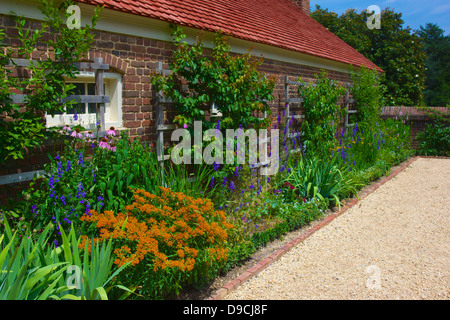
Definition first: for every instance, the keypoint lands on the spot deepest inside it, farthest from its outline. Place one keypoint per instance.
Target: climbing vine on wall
(322, 112)
(232, 82)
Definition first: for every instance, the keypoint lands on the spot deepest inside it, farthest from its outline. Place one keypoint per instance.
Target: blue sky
(415, 13)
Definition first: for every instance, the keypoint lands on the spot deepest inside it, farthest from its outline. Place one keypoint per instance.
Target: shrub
(89, 175)
(272, 218)
(170, 240)
(434, 140)
(23, 128)
(317, 178)
(309, 211)
(368, 92)
(232, 82)
(321, 114)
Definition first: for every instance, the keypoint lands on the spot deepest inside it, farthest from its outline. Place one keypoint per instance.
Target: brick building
(134, 38)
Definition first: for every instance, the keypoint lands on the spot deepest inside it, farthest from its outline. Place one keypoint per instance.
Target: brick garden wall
(415, 118)
(135, 58)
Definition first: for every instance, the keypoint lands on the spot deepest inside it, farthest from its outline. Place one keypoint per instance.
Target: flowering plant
(171, 236)
(363, 145)
(86, 176)
(64, 194)
(80, 138)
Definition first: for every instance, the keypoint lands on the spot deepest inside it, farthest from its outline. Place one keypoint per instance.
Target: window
(86, 113)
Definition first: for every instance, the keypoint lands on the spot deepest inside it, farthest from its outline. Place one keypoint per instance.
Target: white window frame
(113, 109)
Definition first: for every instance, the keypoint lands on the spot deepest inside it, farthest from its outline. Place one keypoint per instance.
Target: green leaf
(102, 293)
(110, 195)
(66, 246)
(41, 273)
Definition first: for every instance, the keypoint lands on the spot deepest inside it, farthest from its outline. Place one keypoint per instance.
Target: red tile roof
(277, 23)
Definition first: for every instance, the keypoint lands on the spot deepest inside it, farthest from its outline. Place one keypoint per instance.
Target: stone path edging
(257, 268)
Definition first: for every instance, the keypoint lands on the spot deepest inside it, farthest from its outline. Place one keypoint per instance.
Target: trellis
(99, 99)
(162, 101)
(347, 102)
(161, 127)
(287, 110)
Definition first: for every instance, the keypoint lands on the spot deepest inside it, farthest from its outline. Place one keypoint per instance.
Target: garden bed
(208, 290)
(177, 225)
(392, 244)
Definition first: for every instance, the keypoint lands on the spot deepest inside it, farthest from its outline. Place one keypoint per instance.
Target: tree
(395, 49)
(437, 63)
(22, 126)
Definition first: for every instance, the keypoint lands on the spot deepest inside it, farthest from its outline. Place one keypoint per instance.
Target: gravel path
(394, 244)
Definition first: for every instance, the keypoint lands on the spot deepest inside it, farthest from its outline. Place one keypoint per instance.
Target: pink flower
(104, 143)
(76, 134)
(67, 128)
(289, 185)
(89, 134)
(111, 132)
(185, 126)
(112, 148)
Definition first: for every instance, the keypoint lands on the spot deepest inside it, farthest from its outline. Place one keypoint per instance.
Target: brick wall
(415, 118)
(135, 58)
(302, 4)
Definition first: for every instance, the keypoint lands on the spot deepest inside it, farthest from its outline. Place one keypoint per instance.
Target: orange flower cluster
(167, 230)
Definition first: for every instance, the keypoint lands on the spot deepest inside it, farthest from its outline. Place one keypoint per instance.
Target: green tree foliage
(232, 82)
(394, 48)
(437, 63)
(23, 126)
